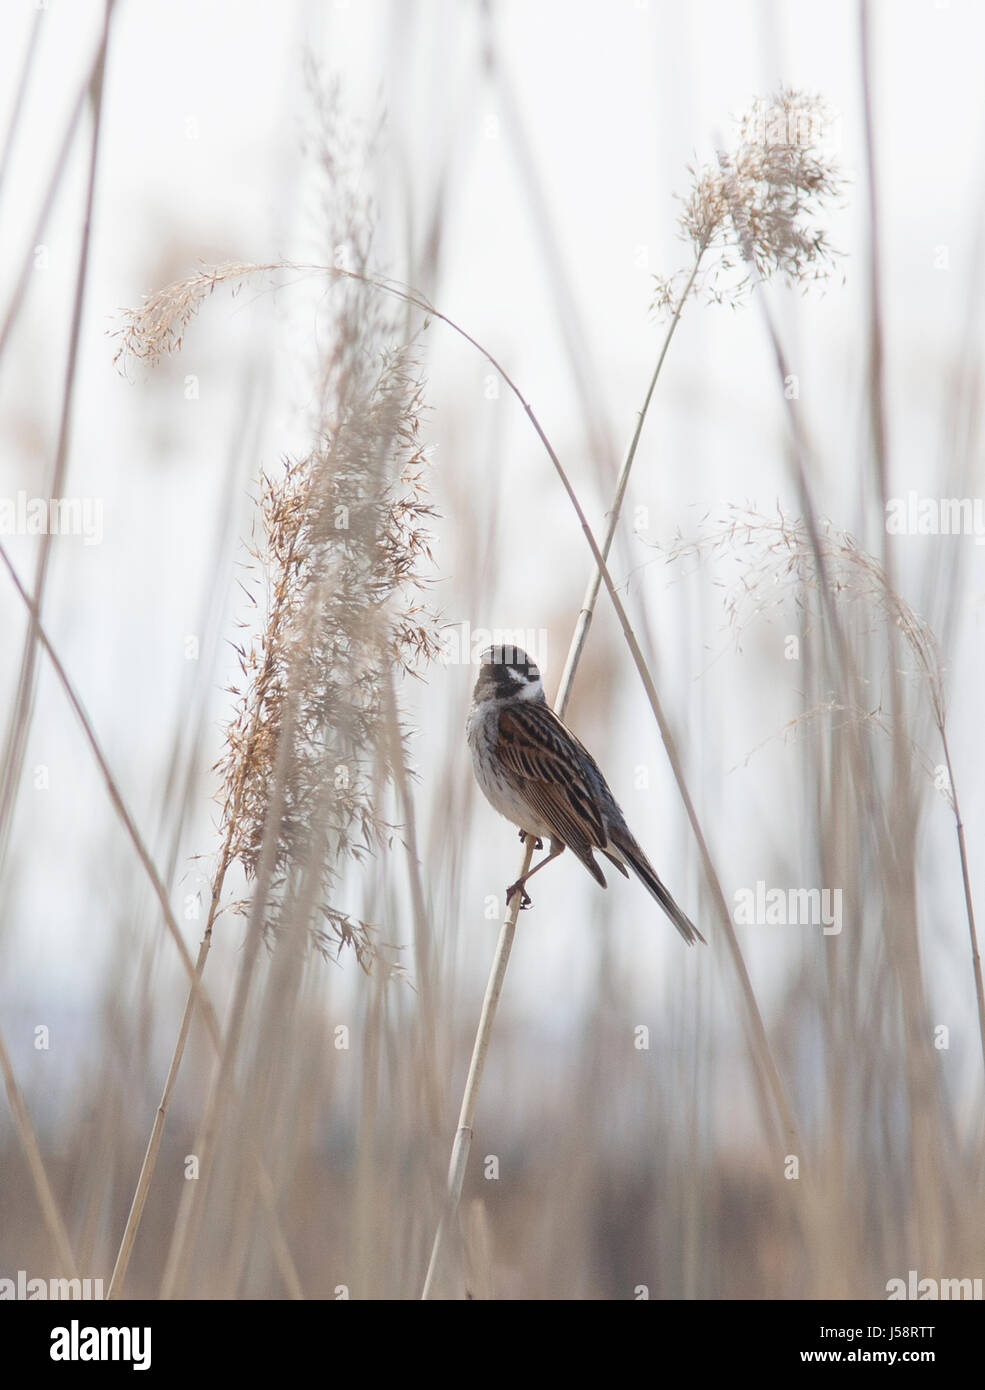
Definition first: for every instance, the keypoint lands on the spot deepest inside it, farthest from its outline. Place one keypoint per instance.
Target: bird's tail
(630, 851)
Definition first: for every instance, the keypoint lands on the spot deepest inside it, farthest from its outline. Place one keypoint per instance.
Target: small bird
(534, 772)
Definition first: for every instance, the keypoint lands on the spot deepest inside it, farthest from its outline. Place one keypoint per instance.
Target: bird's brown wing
(541, 758)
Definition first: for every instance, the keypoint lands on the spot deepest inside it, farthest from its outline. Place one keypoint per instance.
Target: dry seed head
(339, 566)
(344, 539)
(777, 566)
(752, 214)
(154, 330)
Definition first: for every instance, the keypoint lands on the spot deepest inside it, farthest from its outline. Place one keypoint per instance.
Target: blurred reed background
(246, 871)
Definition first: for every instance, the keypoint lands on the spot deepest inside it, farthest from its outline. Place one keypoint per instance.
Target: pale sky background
(201, 159)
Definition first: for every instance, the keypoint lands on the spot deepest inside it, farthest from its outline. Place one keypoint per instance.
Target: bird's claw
(524, 895)
(538, 844)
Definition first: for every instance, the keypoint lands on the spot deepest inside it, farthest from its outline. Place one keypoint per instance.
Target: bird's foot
(538, 844)
(524, 895)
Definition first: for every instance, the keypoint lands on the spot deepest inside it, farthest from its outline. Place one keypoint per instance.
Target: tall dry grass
(787, 1132)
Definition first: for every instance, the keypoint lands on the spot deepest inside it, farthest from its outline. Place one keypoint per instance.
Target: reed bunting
(534, 772)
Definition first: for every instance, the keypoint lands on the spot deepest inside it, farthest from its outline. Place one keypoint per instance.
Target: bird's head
(507, 673)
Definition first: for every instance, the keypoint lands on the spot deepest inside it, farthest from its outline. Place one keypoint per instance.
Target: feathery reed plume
(778, 566)
(343, 540)
(755, 206)
(311, 739)
(155, 327)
